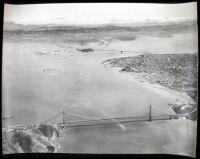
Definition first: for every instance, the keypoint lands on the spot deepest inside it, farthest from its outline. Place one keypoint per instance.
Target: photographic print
(100, 78)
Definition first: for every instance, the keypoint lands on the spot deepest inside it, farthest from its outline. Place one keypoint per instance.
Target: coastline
(182, 98)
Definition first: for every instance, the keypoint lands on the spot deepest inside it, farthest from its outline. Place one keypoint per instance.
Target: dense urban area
(175, 71)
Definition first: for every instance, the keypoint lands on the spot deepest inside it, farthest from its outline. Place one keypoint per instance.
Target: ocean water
(38, 86)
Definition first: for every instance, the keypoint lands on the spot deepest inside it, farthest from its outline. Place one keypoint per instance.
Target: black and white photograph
(100, 78)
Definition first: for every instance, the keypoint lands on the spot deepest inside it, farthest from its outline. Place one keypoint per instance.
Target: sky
(97, 13)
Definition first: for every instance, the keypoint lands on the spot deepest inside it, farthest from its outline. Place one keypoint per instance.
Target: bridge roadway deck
(111, 121)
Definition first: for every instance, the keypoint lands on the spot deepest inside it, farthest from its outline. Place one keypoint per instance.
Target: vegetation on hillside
(28, 140)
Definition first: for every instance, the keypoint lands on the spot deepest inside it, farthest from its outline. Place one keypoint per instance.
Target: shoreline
(182, 98)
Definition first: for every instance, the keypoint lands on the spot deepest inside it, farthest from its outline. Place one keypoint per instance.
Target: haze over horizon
(98, 13)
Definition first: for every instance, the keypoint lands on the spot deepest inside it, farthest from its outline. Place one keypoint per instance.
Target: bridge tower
(63, 117)
(150, 118)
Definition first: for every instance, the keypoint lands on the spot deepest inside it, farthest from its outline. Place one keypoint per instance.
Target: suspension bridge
(148, 113)
(145, 114)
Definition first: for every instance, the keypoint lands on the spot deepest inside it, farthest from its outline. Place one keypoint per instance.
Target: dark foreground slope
(28, 140)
